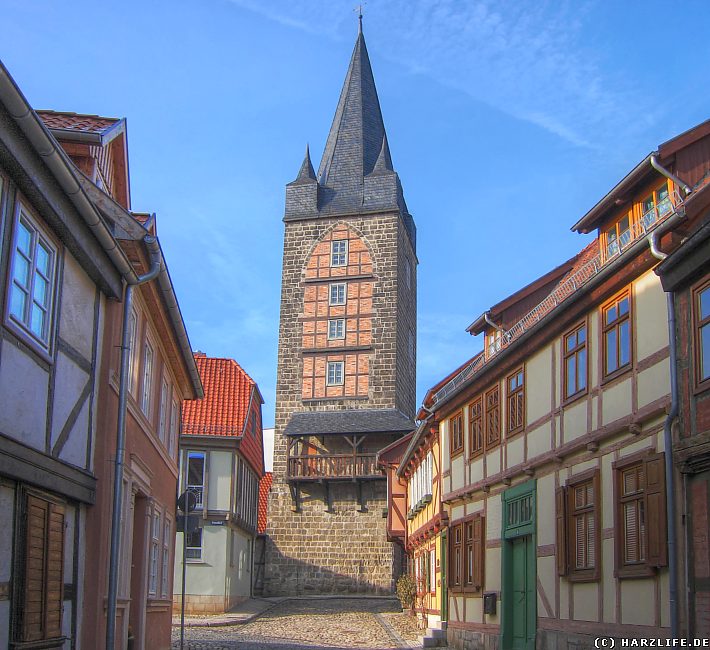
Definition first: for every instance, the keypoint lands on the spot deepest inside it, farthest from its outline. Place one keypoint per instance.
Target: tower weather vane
(359, 13)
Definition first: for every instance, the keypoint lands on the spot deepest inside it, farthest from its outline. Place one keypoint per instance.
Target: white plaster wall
(539, 440)
(493, 462)
(477, 470)
(616, 402)
(651, 315)
(537, 384)
(653, 383)
(493, 568)
(77, 310)
(607, 490)
(575, 419)
(586, 601)
(23, 397)
(220, 480)
(516, 451)
(474, 610)
(547, 574)
(546, 521)
(239, 575)
(494, 518)
(207, 577)
(70, 381)
(637, 601)
(608, 580)
(457, 512)
(458, 476)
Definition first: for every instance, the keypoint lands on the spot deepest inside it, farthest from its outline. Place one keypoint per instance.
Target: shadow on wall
(298, 578)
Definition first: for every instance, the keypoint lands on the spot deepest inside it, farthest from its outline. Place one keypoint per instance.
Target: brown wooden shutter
(35, 561)
(561, 530)
(655, 505)
(55, 570)
(478, 553)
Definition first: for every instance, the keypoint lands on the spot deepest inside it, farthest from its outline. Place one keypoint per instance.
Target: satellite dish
(187, 501)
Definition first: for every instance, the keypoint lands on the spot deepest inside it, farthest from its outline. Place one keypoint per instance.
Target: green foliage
(406, 590)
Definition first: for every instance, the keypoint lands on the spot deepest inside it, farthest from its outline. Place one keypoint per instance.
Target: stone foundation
(469, 640)
(198, 604)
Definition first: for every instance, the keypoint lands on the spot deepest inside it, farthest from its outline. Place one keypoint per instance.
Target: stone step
(434, 638)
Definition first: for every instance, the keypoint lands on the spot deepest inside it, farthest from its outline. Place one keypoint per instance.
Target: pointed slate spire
(306, 174)
(384, 160)
(355, 139)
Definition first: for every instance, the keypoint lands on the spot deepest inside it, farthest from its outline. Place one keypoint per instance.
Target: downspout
(669, 175)
(114, 554)
(668, 447)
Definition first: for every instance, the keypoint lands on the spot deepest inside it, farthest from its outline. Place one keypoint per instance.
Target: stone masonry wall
(343, 551)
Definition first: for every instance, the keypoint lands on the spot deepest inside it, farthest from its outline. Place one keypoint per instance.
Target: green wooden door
(519, 569)
(522, 624)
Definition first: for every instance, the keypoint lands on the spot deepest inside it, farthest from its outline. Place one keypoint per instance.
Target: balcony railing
(334, 466)
(198, 491)
(668, 206)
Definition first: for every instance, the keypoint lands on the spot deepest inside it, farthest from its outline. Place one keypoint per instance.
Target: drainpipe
(668, 447)
(669, 175)
(114, 554)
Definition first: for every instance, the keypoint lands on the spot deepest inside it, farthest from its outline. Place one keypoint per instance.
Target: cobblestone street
(311, 624)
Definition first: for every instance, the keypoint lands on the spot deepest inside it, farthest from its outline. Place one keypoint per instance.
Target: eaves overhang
(616, 196)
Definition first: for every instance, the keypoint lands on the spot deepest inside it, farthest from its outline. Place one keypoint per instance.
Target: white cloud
(528, 60)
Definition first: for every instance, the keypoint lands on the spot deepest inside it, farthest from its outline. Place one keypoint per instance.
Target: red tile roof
(264, 489)
(77, 122)
(224, 409)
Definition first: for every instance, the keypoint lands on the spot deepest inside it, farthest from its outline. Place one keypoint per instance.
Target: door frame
(519, 521)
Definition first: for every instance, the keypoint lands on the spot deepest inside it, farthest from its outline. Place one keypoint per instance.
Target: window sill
(617, 374)
(640, 571)
(515, 432)
(583, 576)
(572, 399)
(457, 453)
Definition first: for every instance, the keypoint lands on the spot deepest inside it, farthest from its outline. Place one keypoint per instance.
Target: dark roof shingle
(318, 423)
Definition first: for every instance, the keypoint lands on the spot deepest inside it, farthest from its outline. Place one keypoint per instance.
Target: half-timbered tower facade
(347, 347)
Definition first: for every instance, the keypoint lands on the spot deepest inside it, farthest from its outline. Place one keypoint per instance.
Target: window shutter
(55, 565)
(561, 530)
(655, 502)
(35, 559)
(478, 553)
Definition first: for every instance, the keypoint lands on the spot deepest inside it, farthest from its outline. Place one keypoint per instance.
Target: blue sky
(507, 121)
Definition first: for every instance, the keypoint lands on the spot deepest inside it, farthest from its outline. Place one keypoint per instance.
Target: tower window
(335, 373)
(336, 329)
(339, 252)
(337, 293)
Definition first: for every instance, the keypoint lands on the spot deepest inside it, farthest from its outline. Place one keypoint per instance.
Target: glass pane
(705, 303)
(623, 306)
(581, 370)
(43, 257)
(582, 334)
(37, 321)
(40, 290)
(571, 376)
(611, 314)
(629, 482)
(21, 271)
(647, 204)
(662, 193)
(623, 225)
(611, 361)
(705, 352)
(624, 344)
(195, 469)
(18, 300)
(571, 341)
(24, 239)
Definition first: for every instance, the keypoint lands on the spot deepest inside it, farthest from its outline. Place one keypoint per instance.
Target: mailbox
(489, 603)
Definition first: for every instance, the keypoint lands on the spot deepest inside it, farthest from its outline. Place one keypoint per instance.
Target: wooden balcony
(320, 467)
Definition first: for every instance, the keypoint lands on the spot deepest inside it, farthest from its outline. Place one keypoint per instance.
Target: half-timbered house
(221, 462)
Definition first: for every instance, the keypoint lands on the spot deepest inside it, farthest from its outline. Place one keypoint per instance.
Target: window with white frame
(33, 262)
(339, 252)
(154, 553)
(335, 373)
(336, 329)
(174, 428)
(132, 333)
(163, 421)
(247, 494)
(196, 475)
(337, 293)
(168, 541)
(148, 355)
(193, 545)
(421, 482)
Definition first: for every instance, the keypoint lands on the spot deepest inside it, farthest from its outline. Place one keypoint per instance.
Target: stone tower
(347, 353)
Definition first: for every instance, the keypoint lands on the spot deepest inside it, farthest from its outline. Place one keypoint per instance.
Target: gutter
(63, 170)
(605, 272)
